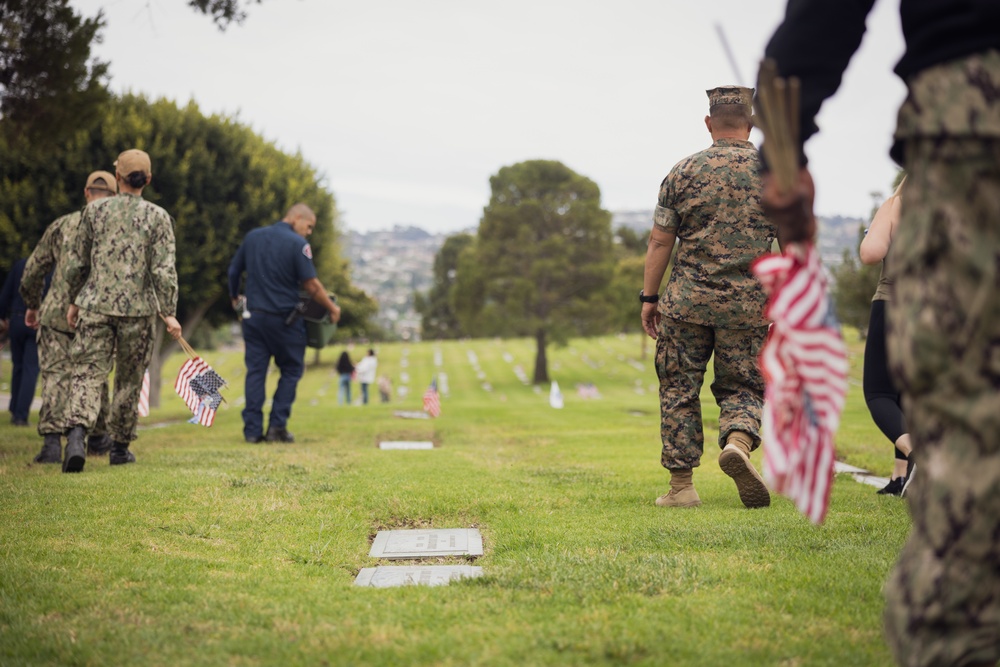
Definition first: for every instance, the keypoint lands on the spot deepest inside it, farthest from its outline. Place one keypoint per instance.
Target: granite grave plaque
(406, 444)
(427, 543)
(386, 576)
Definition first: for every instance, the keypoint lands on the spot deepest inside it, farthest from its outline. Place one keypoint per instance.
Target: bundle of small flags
(804, 363)
(432, 402)
(198, 385)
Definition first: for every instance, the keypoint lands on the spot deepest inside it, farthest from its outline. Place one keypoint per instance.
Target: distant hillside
(836, 233)
(391, 265)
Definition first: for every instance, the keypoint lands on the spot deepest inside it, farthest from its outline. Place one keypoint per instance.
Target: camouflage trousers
(55, 349)
(683, 351)
(103, 342)
(943, 599)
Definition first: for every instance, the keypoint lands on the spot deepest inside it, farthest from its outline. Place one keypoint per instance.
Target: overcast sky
(407, 107)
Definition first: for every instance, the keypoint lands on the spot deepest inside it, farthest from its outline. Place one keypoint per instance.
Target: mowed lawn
(210, 551)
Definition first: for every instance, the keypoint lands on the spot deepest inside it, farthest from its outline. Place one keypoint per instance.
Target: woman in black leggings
(881, 395)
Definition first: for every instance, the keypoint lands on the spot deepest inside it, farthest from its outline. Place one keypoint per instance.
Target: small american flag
(804, 364)
(144, 395)
(198, 385)
(432, 402)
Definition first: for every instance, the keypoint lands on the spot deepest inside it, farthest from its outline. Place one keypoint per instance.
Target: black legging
(880, 393)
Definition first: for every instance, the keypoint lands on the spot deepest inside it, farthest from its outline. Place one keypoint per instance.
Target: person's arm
(815, 42)
(41, 261)
(236, 269)
(314, 288)
(77, 255)
(661, 245)
(791, 212)
(7, 293)
(875, 245)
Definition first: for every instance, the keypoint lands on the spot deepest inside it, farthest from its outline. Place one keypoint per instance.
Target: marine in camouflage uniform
(943, 598)
(120, 273)
(709, 206)
(55, 337)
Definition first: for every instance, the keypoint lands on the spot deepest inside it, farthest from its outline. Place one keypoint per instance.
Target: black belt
(268, 312)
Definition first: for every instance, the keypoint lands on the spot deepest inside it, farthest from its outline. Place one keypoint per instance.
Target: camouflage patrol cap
(133, 160)
(110, 184)
(730, 95)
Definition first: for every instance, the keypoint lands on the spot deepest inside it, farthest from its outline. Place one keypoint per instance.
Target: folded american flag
(198, 384)
(804, 363)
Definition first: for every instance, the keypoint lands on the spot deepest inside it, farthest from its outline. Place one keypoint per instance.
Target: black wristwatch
(652, 298)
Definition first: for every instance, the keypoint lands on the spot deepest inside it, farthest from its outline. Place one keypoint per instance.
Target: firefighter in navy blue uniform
(278, 264)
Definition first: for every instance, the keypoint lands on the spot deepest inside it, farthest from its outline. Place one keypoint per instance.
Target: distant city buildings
(392, 265)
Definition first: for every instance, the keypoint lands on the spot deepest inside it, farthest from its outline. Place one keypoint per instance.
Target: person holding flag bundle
(943, 320)
(120, 273)
(55, 337)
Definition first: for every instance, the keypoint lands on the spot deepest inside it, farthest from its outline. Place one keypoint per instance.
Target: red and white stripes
(804, 364)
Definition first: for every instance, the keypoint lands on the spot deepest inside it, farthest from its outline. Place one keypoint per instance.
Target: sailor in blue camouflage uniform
(278, 264)
(55, 337)
(120, 274)
(943, 321)
(709, 207)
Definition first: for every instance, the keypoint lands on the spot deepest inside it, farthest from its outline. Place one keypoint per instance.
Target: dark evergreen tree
(542, 260)
(437, 309)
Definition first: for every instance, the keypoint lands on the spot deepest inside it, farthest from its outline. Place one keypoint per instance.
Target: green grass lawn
(210, 551)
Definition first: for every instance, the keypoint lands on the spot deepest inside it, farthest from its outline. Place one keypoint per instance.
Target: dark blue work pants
(266, 336)
(24, 367)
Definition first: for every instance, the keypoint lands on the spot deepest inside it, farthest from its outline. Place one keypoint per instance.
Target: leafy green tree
(542, 259)
(215, 176)
(436, 308)
(223, 12)
(49, 84)
(853, 286)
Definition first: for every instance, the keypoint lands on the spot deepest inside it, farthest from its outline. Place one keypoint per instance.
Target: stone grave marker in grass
(387, 576)
(427, 543)
(406, 444)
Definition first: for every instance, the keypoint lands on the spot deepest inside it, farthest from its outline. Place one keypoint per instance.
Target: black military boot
(51, 449)
(120, 455)
(99, 445)
(76, 450)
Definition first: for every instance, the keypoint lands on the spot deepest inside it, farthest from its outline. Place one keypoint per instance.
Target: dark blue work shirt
(276, 261)
(11, 303)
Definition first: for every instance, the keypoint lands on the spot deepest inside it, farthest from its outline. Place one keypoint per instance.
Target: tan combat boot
(735, 462)
(682, 493)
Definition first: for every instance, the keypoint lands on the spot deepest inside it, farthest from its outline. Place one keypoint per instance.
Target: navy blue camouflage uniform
(276, 261)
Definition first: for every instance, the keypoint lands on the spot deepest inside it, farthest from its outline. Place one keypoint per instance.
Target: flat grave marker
(427, 543)
(387, 576)
(411, 414)
(406, 444)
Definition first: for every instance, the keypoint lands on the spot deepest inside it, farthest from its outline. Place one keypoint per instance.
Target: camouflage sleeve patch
(666, 218)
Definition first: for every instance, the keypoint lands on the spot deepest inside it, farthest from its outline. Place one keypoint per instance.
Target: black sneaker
(893, 488)
(906, 484)
(279, 435)
(254, 439)
(76, 450)
(51, 449)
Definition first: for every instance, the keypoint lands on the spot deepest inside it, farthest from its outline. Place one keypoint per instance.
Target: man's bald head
(301, 218)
